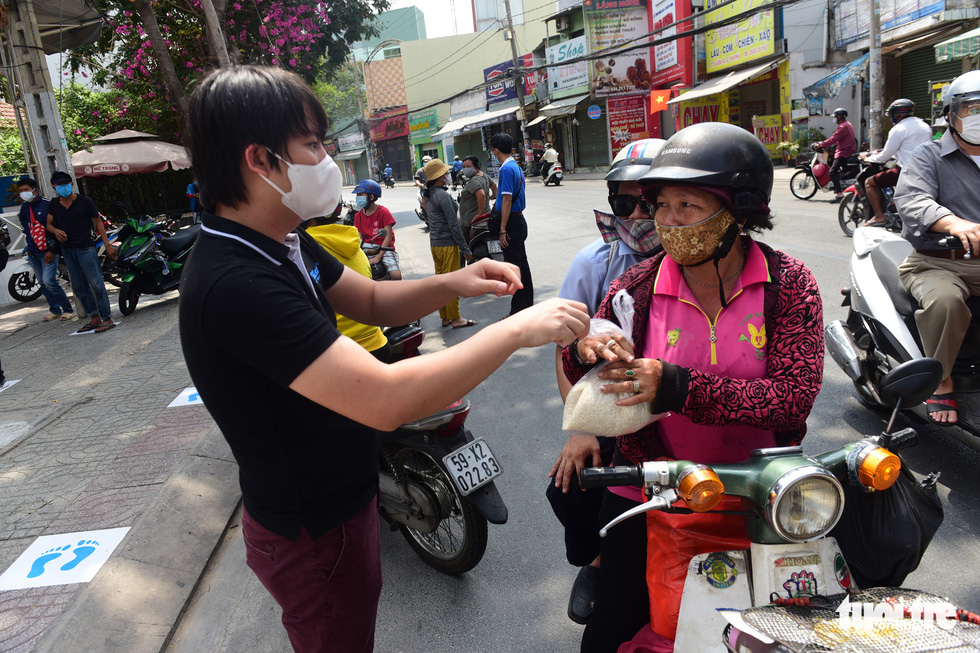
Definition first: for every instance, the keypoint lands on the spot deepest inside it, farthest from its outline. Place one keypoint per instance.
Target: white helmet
(634, 160)
(426, 159)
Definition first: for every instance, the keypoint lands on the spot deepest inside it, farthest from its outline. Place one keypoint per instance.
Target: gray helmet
(633, 161)
(840, 111)
(716, 154)
(964, 87)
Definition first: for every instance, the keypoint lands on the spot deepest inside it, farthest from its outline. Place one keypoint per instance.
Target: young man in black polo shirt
(71, 218)
(293, 397)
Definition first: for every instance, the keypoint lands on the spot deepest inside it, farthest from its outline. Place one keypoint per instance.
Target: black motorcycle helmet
(721, 155)
(900, 109)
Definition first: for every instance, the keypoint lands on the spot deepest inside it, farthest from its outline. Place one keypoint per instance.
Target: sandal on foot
(52, 318)
(941, 403)
(105, 326)
(446, 323)
(584, 591)
(67, 316)
(468, 323)
(88, 327)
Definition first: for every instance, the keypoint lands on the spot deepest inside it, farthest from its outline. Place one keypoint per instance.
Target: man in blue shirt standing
(508, 216)
(457, 167)
(193, 193)
(41, 249)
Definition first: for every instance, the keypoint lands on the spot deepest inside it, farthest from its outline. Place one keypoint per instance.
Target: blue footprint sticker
(84, 549)
(38, 567)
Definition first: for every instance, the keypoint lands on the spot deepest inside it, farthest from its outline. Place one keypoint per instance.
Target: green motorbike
(151, 259)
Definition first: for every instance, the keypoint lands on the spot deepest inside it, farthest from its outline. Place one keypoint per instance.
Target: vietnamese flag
(658, 100)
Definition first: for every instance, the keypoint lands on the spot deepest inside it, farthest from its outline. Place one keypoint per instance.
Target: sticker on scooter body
(719, 570)
(472, 466)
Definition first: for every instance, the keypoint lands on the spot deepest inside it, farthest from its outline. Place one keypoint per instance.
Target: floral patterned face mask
(693, 244)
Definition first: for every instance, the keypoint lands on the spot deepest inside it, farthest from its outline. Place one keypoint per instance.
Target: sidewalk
(87, 442)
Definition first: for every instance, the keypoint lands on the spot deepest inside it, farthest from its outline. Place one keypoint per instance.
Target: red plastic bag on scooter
(672, 540)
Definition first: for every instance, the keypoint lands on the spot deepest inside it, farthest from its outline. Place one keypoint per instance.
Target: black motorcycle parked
(436, 482)
(151, 258)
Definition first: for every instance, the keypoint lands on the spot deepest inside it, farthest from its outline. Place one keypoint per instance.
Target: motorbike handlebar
(951, 242)
(593, 477)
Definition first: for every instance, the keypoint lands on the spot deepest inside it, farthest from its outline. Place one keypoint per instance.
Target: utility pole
(874, 76)
(519, 79)
(24, 55)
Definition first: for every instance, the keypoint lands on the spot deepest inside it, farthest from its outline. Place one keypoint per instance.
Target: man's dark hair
(475, 160)
(27, 181)
(59, 177)
(503, 142)
(239, 106)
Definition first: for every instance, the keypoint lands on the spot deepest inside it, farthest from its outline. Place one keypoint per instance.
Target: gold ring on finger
(630, 373)
(636, 386)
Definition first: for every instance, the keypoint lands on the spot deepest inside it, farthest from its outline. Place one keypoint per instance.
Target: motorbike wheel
(24, 286)
(460, 540)
(850, 214)
(803, 185)
(129, 296)
(558, 182)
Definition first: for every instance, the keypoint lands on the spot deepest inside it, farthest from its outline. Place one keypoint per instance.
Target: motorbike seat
(886, 258)
(175, 244)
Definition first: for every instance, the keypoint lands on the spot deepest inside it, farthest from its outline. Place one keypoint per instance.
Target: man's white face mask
(315, 190)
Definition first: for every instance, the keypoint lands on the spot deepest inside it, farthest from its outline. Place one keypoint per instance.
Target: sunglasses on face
(623, 205)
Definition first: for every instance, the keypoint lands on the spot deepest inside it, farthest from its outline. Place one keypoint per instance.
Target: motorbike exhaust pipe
(844, 350)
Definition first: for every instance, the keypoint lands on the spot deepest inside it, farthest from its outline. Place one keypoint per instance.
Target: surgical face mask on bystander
(63, 190)
(27, 195)
(361, 201)
(469, 172)
(970, 129)
(315, 188)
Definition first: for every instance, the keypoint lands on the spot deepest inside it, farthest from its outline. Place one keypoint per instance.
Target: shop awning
(562, 107)
(959, 47)
(837, 81)
(536, 121)
(489, 118)
(725, 82)
(451, 128)
(353, 154)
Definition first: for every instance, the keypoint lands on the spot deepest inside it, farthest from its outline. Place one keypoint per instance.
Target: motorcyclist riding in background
(843, 137)
(907, 133)
(548, 159)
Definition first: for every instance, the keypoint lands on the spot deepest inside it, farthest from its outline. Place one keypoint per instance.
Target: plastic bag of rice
(589, 411)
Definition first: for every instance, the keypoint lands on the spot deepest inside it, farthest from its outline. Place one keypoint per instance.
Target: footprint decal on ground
(84, 549)
(38, 567)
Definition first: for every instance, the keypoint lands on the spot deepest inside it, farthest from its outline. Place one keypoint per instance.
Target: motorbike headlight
(805, 503)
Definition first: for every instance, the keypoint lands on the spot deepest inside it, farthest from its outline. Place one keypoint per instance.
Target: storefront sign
(665, 54)
(594, 112)
(389, 124)
(422, 126)
(627, 121)
(504, 89)
(741, 42)
(330, 146)
(712, 108)
(609, 23)
(560, 77)
(853, 19)
(353, 141)
(768, 129)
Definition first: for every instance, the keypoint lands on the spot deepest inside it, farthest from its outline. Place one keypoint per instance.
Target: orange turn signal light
(700, 488)
(879, 469)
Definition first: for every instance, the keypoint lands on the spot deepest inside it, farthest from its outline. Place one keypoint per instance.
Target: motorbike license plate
(472, 466)
(493, 246)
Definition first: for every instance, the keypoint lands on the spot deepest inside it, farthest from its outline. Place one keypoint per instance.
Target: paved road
(94, 411)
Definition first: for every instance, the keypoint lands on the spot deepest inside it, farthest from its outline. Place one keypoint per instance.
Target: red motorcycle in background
(815, 175)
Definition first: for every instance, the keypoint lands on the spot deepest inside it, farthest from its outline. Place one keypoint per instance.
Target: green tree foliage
(309, 37)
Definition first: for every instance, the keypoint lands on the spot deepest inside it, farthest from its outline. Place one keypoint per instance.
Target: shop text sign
(422, 125)
(609, 23)
(386, 125)
(767, 129)
(627, 121)
(741, 42)
(353, 141)
(562, 77)
(712, 108)
(503, 89)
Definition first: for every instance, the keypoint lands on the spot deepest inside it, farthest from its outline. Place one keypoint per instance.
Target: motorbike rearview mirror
(912, 382)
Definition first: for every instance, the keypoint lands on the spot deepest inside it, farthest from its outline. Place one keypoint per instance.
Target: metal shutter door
(919, 67)
(592, 135)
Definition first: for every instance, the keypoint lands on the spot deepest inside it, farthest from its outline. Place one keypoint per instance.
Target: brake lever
(661, 501)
